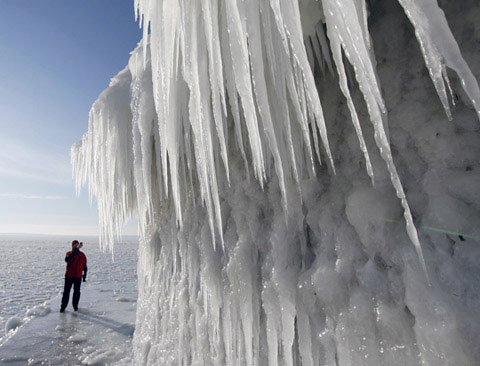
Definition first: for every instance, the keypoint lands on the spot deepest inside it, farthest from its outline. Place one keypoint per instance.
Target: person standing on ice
(76, 264)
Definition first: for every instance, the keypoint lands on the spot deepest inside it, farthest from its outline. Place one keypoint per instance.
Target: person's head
(75, 244)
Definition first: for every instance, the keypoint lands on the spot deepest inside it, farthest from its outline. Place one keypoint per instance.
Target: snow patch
(124, 299)
(39, 310)
(77, 338)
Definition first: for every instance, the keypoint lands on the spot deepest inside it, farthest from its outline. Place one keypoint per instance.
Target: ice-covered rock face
(252, 253)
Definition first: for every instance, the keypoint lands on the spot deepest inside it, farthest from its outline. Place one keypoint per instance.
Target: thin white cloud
(77, 230)
(36, 163)
(31, 197)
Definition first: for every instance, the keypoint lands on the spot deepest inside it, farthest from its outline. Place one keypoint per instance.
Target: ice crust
(252, 252)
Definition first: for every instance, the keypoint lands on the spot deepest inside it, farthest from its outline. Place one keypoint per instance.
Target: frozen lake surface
(33, 268)
(100, 333)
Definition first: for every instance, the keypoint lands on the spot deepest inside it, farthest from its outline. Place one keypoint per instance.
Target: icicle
(345, 21)
(261, 90)
(439, 47)
(324, 46)
(242, 76)
(337, 56)
(215, 72)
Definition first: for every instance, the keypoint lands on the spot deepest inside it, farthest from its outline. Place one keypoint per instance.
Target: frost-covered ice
(252, 252)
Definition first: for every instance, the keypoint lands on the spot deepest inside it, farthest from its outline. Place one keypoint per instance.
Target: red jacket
(76, 264)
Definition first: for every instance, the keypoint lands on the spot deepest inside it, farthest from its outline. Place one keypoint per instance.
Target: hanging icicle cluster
(220, 83)
(213, 60)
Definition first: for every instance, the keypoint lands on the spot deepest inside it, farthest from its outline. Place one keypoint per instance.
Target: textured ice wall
(316, 272)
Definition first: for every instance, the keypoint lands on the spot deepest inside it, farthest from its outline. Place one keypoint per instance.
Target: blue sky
(57, 56)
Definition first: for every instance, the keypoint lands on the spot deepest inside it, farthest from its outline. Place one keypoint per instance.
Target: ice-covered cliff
(245, 137)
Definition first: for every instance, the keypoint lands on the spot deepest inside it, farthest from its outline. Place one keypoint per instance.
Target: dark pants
(76, 282)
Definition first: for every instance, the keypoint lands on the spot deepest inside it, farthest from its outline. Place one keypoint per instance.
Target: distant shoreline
(33, 235)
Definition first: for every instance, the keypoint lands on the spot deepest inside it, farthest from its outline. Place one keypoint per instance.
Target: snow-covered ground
(99, 334)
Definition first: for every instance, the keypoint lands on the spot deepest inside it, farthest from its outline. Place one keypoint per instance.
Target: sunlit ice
(303, 175)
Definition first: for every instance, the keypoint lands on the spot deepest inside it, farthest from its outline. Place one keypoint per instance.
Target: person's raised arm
(72, 254)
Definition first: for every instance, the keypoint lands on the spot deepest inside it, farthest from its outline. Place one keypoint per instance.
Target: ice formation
(253, 252)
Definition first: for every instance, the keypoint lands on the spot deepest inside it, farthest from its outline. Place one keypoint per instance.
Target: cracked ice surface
(252, 252)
